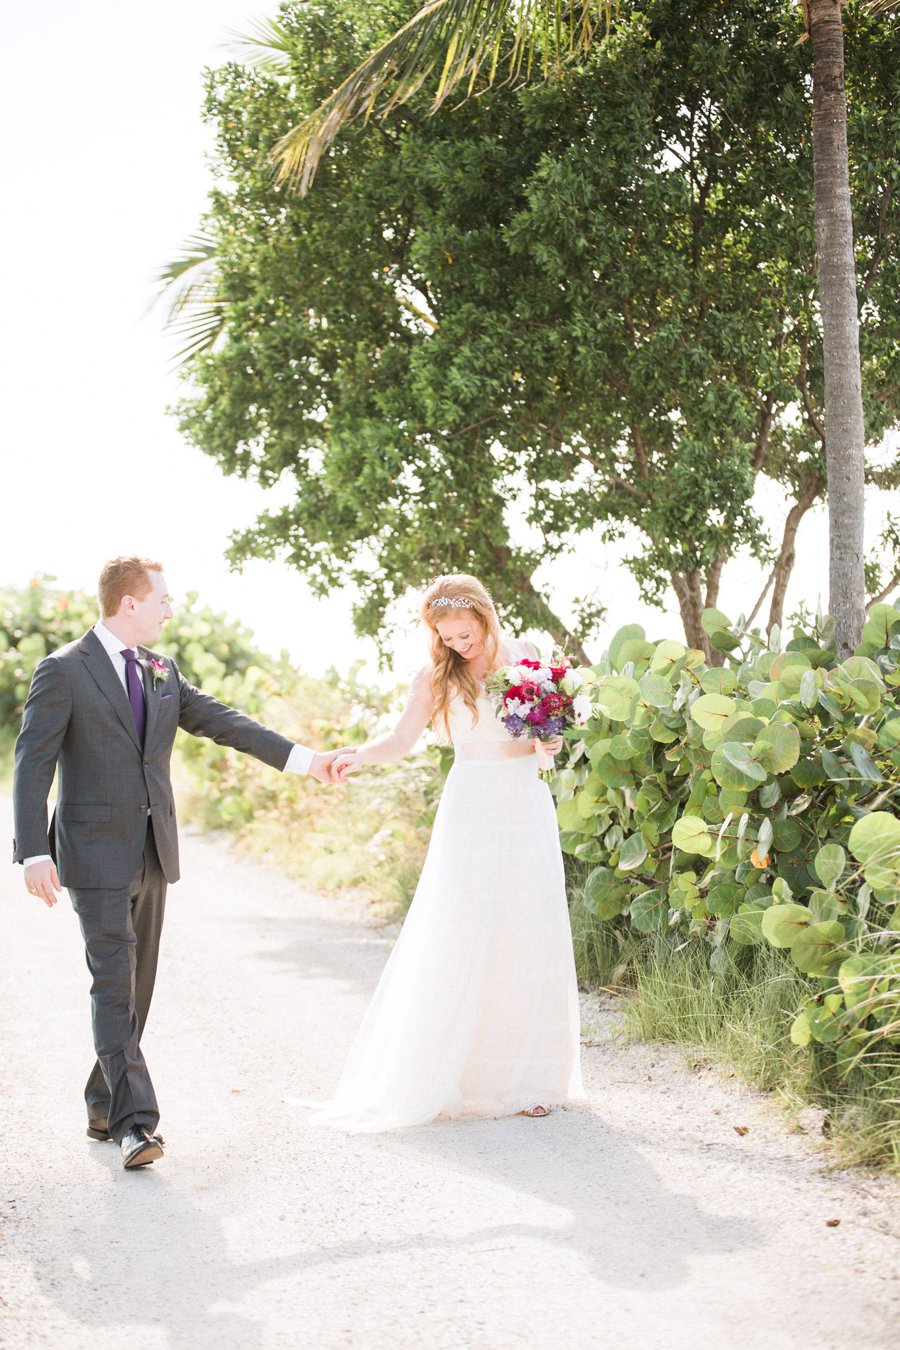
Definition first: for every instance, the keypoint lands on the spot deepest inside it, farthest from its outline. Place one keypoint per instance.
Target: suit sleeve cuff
(299, 760)
(38, 857)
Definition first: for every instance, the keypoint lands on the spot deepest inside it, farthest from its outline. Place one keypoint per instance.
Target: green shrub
(752, 805)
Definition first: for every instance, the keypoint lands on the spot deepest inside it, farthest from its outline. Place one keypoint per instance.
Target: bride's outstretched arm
(400, 740)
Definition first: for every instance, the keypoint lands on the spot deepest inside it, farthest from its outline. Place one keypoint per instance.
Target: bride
(476, 1012)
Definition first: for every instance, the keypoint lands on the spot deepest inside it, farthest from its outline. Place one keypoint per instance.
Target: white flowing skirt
(476, 1011)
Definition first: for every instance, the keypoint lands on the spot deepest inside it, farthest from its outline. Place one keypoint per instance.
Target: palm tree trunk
(844, 430)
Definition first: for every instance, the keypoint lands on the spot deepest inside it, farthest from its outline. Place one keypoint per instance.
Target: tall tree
(581, 306)
(463, 41)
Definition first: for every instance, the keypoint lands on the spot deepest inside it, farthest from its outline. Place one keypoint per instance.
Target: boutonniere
(159, 671)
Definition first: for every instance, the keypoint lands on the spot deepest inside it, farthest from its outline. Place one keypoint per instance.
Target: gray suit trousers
(121, 929)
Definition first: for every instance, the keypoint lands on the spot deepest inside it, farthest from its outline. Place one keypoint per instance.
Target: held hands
(41, 879)
(346, 763)
(330, 768)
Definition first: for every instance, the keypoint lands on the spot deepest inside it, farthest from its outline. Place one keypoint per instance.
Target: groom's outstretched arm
(202, 715)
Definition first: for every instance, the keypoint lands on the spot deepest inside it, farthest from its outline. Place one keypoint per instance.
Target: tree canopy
(585, 305)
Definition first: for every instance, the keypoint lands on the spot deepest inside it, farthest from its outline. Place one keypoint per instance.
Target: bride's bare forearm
(383, 750)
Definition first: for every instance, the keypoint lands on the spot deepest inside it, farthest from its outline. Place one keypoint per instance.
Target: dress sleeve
(412, 722)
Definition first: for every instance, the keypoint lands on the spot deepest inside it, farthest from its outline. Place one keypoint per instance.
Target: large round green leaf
(614, 695)
(875, 841)
(568, 813)
(634, 650)
(650, 911)
(800, 1032)
(604, 893)
(745, 928)
(777, 746)
(782, 924)
(714, 621)
(718, 680)
(712, 711)
(629, 633)
(875, 836)
(889, 735)
(815, 947)
(656, 691)
(632, 853)
(725, 898)
(733, 766)
(666, 656)
(691, 834)
(829, 864)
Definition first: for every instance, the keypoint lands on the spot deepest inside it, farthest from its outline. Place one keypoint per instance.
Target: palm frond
(189, 285)
(267, 44)
(461, 39)
(881, 6)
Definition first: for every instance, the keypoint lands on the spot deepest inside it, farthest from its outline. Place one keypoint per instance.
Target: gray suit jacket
(77, 715)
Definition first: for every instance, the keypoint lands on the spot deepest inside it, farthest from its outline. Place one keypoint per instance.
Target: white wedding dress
(476, 1012)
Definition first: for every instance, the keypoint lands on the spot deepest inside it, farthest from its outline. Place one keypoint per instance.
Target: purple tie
(135, 687)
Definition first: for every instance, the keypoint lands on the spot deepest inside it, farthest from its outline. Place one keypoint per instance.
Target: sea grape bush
(750, 803)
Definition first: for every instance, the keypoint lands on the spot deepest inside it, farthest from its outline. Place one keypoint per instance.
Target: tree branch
(885, 592)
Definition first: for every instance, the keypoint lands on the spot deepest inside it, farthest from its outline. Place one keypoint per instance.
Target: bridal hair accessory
(447, 602)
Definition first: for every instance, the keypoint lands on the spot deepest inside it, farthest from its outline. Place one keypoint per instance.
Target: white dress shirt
(299, 760)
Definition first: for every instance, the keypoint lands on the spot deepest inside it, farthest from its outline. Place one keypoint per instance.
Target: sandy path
(644, 1221)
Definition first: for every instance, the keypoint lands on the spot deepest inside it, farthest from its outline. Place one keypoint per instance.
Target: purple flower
(538, 716)
(554, 726)
(514, 725)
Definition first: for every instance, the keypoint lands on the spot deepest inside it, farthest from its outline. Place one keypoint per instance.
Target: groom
(105, 709)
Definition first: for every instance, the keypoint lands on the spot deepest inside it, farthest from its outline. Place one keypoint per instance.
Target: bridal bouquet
(539, 701)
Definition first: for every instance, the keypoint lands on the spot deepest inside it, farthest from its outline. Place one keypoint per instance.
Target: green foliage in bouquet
(753, 805)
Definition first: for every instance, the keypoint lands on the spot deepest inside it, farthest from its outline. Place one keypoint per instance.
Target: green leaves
(777, 747)
(829, 864)
(875, 841)
(730, 816)
(733, 766)
(712, 711)
(614, 695)
(691, 835)
(781, 924)
(604, 893)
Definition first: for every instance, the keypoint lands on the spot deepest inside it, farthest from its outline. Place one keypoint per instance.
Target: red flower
(553, 703)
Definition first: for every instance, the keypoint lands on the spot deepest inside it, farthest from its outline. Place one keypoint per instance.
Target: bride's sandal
(536, 1112)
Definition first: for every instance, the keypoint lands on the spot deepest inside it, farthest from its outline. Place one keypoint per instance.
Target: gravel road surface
(644, 1220)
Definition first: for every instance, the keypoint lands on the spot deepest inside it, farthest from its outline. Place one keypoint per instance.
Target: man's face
(148, 614)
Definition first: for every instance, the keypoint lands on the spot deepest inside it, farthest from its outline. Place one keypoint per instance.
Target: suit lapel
(101, 669)
(151, 697)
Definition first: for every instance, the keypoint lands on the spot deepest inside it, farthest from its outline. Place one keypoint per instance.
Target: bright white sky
(105, 176)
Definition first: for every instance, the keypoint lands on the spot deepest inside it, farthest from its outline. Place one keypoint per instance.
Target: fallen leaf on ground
(741, 1129)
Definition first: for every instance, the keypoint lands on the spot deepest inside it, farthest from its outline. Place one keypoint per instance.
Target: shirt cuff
(299, 760)
(38, 857)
